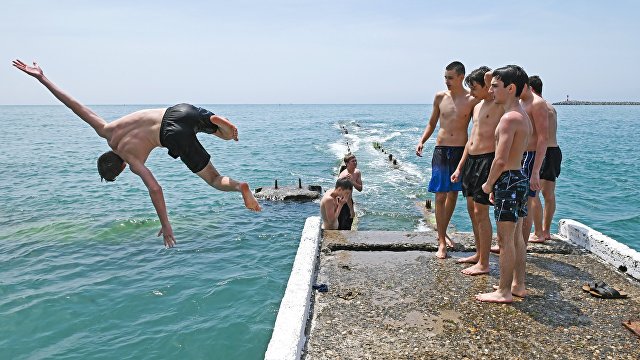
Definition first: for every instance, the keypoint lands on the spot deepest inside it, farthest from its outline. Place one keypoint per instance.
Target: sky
(311, 52)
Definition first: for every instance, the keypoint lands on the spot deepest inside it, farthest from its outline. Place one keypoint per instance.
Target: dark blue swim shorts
(444, 162)
(528, 158)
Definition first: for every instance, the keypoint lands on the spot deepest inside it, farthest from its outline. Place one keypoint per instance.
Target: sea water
(83, 275)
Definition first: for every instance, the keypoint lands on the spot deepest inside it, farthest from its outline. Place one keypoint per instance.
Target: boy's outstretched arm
(86, 114)
(157, 198)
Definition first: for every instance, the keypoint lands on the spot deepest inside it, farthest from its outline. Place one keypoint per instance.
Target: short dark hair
(536, 84)
(109, 166)
(477, 76)
(512, 74)
(457, 66)
(344, 184)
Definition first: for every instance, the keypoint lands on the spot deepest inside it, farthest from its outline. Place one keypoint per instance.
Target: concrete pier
(389, 297)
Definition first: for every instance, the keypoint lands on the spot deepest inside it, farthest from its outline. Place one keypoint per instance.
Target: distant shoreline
(576, 102)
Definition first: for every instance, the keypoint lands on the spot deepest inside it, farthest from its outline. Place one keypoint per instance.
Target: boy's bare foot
(533, 238)
(450, 243)
(476, 269)
(469, 259)
(442, 252)
(547, 236)
(249, 200)
(495, 297)
(521, 293)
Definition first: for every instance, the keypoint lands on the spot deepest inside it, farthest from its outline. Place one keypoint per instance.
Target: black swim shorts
(551, 165)
(510, 196)
(180, 124)
(475, 173)
(345, 221)
(528, 158)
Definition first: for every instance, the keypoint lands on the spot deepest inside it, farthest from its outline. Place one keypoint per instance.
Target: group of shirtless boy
(511, 153)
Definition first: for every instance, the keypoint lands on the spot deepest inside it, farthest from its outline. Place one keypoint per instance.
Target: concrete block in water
(288, 193)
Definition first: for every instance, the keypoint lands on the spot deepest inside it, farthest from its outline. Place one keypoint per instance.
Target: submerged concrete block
(612, 252)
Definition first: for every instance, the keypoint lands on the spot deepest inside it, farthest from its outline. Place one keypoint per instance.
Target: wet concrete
(390, 298)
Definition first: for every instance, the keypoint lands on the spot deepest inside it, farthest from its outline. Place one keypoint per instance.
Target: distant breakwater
(576, 102)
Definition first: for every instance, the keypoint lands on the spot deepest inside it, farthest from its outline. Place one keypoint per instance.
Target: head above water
(110, 165)
(512, 75)
(536, 84)
(349, 157)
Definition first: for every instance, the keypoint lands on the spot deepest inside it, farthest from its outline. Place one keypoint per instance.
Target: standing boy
(474, 167)
(507, 183)
(548, 174)
(452, 108)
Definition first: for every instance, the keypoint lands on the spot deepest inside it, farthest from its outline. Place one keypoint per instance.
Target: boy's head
(344, 187)
(110, 165)
(536, 84)
(350, 160)
(513, 79)
(476, 81)
(454, 74)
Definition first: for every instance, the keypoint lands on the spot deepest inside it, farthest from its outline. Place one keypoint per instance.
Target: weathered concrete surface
(426, 241)
(612, 252)
(410, 305)
(288, 337)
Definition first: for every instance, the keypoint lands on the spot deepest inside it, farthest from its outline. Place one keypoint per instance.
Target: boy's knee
(548, 194)
(480, 211)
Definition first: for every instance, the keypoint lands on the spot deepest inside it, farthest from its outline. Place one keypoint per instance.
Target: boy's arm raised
(86, 114)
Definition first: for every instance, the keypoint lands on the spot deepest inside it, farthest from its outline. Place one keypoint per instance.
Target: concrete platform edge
(288, 338)
(612, 252)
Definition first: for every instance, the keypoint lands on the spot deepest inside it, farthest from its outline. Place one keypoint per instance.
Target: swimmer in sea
(332, 203)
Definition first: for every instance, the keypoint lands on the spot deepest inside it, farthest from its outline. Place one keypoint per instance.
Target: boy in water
(134, 136)
(351, 173)
(332, 203)
(507, 185)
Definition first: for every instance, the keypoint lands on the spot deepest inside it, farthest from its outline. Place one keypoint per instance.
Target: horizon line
(163, 104)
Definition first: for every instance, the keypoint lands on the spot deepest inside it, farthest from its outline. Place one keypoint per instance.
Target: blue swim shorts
(444, 162)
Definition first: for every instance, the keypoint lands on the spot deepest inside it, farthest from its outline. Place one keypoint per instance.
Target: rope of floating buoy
(378, 146)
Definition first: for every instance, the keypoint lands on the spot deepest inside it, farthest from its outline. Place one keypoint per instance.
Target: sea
(83, 274)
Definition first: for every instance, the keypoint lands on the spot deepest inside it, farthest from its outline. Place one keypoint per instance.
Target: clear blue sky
(298, 51)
